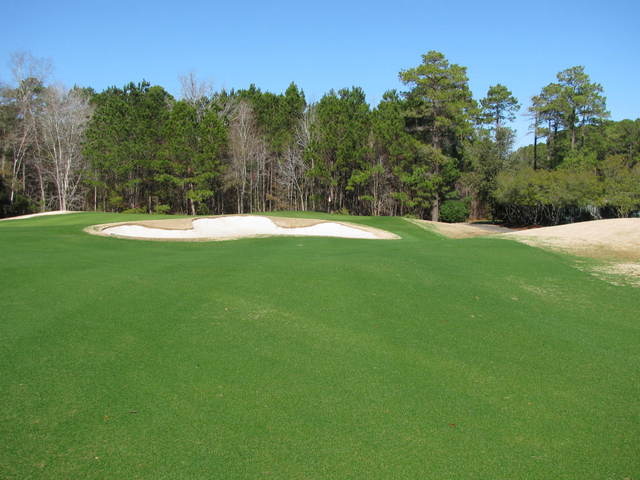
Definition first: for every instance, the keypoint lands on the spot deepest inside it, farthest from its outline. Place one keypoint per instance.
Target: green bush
(453, 211)
(116, 202)
(162, 209)
(202, 209)
(21, 206)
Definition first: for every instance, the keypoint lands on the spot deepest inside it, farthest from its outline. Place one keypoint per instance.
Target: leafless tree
(24, 65)
(248, 156)
(61, 125)
(226, 105)
(291, 171)
(196, 92)
(29, 74)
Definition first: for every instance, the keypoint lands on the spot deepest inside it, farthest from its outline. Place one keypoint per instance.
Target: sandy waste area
(614, 241)
(237, 226)
(461, 230)
(612, 238)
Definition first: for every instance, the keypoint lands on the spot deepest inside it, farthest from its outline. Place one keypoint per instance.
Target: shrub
(453, 211)
(21, 206)
(116, 202)
(203, 209)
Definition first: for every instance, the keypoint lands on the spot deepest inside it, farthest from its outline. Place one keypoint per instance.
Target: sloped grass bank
(310, 358)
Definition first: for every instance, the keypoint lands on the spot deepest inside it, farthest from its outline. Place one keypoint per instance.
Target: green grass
(310, 358)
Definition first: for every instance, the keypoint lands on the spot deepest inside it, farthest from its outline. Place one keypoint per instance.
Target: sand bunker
(32, 215)
(237, 226)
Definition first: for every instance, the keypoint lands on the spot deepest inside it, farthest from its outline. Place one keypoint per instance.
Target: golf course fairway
(310, 358)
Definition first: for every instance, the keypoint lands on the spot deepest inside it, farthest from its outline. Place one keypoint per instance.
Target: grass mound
(310, 358)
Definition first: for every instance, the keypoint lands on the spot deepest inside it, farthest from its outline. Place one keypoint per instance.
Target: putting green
(290, 357)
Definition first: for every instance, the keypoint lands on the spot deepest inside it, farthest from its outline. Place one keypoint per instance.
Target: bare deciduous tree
(29, 74)
(292, 170)
(225, 104)
(248, 158)
(62, 124)
(196, 92)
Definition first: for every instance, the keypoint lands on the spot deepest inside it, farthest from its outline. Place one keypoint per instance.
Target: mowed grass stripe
(310, 358)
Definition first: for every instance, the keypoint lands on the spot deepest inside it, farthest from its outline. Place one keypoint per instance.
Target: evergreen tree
(123, 142)
(499, 106)
(581, 101)
(340, 147)
(190, 159)
(438, 114)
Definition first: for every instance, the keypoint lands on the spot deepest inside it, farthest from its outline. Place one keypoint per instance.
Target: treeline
(587, 167)
(430, 151)
(598, 179)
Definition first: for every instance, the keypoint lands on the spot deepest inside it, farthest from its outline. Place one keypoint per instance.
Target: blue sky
(332, 44)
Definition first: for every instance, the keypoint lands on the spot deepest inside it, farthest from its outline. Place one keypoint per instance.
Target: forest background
(430, 150)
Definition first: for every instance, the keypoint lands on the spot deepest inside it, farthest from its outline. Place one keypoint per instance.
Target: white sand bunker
(234, 227)
(43, 214)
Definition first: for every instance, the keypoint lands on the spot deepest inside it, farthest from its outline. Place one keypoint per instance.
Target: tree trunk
(14, 173)
(62, 204)
(43, 198)
(192, 205)
(435, 208)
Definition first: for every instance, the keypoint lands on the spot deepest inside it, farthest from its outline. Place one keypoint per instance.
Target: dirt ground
(615, 242)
